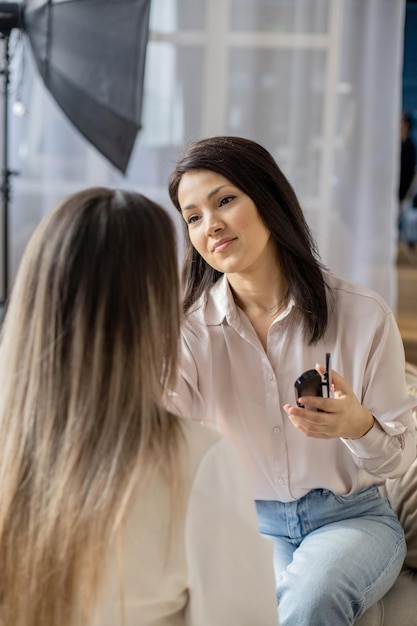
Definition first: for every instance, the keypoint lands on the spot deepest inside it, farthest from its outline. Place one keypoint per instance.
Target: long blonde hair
(88, 347)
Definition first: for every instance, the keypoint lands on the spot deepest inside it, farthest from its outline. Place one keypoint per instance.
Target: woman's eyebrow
(209, 195)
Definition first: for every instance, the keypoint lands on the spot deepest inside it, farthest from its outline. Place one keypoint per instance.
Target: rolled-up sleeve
(389, 448)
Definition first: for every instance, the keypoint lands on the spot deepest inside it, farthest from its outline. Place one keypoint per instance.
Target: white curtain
(317, 82)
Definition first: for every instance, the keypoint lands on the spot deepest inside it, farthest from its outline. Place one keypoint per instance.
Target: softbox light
(91, 57)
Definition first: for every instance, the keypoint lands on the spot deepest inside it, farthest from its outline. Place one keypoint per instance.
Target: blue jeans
(334, 556)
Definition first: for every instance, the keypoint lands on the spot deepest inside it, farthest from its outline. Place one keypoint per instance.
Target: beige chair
(399, 606)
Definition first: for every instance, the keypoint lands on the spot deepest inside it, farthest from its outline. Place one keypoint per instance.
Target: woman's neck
(260, 293)
(261, 299)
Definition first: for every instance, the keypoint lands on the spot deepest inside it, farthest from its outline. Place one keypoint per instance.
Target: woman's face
(224, 225)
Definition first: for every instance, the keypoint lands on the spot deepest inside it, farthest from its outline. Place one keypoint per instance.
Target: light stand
(10, 17)
(83, 73)
(5, 186)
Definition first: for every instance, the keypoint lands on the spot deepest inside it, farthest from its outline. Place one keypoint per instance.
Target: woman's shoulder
(199, 439)
(207, 452)
(347, 292)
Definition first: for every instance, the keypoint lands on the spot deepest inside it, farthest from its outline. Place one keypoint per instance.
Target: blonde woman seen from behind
(112, 510)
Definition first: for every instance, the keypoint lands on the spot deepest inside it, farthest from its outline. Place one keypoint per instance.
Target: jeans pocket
(363, 495)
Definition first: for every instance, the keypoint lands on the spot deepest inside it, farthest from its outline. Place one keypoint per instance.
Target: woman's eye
(226, 200)
(192, 218)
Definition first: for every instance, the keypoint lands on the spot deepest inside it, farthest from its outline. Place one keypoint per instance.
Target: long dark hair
(251, 168)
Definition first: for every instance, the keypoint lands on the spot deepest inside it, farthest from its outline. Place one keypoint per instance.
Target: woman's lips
(221, 245)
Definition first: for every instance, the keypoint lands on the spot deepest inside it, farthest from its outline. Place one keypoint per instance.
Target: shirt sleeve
(185, 400)
(389, 448)
(230, 565)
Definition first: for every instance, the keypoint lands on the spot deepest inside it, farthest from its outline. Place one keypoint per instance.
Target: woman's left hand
(340, 416)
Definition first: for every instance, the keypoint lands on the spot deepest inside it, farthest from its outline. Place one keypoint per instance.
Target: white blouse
(229, 381)
(212, 567)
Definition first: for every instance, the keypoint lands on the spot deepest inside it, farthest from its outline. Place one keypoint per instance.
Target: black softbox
(91, 56)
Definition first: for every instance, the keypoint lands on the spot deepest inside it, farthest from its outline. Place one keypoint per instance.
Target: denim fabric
(334, 556)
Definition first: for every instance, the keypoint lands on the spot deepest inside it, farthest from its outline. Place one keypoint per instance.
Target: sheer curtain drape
(317, 82)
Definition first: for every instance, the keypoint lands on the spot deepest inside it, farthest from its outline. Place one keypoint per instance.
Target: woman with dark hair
(112, 510)
(260, 309)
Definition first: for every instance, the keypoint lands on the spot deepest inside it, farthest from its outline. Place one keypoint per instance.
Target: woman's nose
(213, 225)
